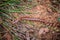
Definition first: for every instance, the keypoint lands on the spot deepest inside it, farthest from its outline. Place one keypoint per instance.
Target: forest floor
(39, 23)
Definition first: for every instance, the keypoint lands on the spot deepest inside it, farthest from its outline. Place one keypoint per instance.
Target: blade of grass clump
(5, 12)
(5, 15)
(10, 2)
(27, 13)
(16, 10)
(10, 30)
(59, 19)
(16, 38)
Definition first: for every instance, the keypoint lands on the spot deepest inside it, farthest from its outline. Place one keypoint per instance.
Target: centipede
(27, 18)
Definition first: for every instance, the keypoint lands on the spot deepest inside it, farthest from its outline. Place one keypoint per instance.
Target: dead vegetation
(36, 21)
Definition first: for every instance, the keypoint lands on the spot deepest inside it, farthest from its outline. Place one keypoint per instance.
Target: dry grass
(31, 21)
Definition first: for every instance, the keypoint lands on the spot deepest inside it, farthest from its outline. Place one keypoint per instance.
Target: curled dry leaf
(43, 31)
